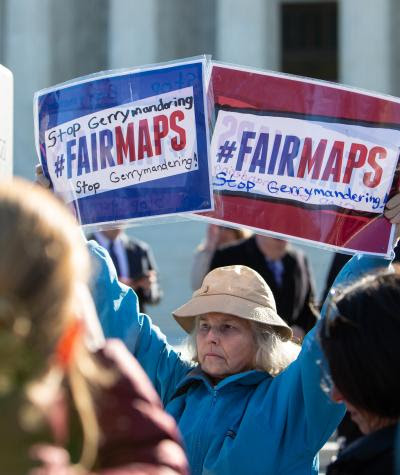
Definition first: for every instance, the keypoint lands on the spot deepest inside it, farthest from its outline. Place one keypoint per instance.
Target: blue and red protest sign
(304, 159)
(123, 146)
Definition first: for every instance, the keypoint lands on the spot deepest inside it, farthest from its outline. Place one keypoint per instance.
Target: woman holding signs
(250, 402)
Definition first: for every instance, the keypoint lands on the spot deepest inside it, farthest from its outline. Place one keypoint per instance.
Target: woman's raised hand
(392, 213)
(40, 179)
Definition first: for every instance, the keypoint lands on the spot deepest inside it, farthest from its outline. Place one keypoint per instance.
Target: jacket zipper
(200, 446)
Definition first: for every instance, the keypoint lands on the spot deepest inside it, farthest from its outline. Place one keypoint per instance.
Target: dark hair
(360, 339)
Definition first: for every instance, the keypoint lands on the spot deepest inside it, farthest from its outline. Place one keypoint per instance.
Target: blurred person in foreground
(359, 338)
(60, 382)
(216, 236)
(348, 431)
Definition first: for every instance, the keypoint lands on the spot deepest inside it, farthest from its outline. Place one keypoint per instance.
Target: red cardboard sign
(305, 159)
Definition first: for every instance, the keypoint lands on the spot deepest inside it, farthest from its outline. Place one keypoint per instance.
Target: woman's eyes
(225, 328)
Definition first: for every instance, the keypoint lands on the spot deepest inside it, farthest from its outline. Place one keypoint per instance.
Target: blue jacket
(249, 423)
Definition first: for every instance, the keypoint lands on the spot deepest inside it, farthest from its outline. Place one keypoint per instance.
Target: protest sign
(306, 159)
(6, 121)
(131, 145)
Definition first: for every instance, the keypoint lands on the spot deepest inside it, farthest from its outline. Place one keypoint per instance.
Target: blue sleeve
(118, 311)
(311, 415)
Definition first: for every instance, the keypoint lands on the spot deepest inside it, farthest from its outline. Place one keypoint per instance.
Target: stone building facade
(45, 42)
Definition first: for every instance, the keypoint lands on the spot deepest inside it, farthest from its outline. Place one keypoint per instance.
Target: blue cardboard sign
(131, 145)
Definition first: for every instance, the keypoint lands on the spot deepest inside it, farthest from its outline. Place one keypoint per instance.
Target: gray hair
(273, 355)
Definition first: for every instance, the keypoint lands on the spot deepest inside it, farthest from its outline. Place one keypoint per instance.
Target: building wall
(133, 41)
(186, 28)
(2, 29)
(366, 44)
(248, 33)
(79, 32)
(27, 53)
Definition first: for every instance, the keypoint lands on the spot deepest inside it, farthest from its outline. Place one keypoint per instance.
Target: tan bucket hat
(234, 290)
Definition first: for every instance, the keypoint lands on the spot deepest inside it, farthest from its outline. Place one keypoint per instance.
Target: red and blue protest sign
(128, 145)
(306, 159)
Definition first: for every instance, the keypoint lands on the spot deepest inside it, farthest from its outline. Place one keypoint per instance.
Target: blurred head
(112, 234)
(43, 299)
(43, 257)
(272, 248)
(234, 325)
(359, 337)
(227, 235)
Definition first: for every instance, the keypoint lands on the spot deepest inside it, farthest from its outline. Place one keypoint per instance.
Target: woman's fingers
(392, 209)
(393, 202)
(393, 215)
(40, 179)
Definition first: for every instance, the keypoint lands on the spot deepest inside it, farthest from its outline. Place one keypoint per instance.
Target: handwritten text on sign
(324, 163)
(122, 146)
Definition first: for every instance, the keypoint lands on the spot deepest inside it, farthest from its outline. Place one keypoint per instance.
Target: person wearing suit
(285, 270)
(134, 262)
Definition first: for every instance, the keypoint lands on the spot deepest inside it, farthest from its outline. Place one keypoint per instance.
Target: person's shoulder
(134, 243)
(95, 248)
(235, 246)
(295, 253)
(230, 253)
(116, 355)
(297, 258)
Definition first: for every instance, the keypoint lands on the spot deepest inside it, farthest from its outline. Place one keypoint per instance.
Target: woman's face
(366, 421)
(225, 345)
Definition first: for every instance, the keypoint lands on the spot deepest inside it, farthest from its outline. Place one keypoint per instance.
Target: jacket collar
(369, 446)
(247, 378)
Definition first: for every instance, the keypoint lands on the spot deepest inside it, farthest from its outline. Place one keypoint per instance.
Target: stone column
(186, 28)
(366, 44)
(79, 38)
(3, 19)
(6, 123)
(27, 55)
(133, 33)
(248, 33)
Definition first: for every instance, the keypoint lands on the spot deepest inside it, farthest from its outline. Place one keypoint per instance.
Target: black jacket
(140, 260)
(372, 454)
(294, 297)
(338, 262)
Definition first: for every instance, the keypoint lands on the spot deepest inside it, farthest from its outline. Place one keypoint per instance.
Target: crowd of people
(89, 385)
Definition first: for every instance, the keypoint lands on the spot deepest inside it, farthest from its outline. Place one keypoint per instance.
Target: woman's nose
(336, 395)
(212, 335)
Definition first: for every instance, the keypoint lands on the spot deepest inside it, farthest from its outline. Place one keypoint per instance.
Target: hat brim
(232, 305)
